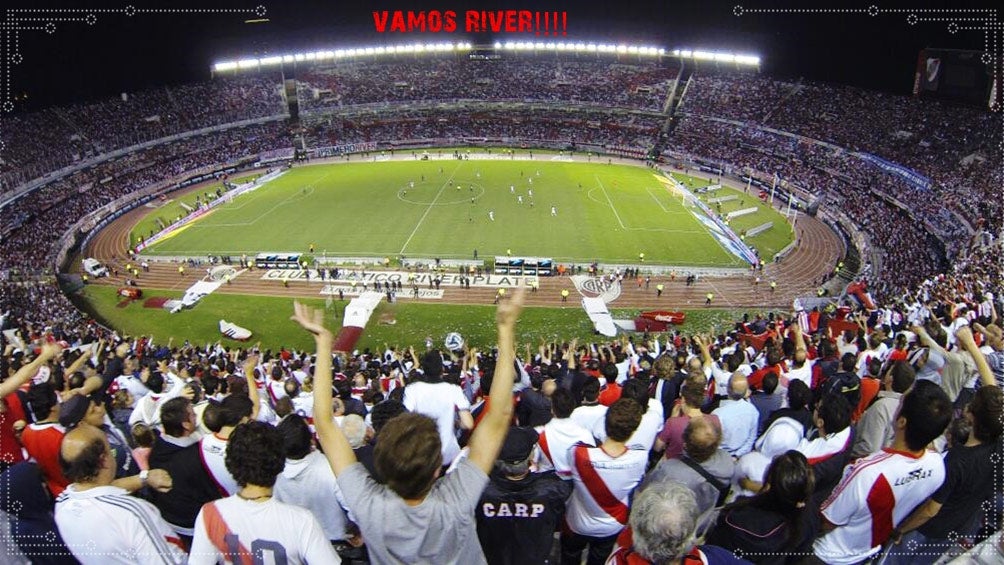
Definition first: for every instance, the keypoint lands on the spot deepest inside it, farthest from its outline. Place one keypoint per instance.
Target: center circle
(449, 195)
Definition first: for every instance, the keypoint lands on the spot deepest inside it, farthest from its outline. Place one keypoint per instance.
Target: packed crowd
(805, 437)
(633, 84)
(849, 184)
(645, 451)
(31, 224)
(45, 141)
(930, 137)
(740, 96)
(560, 128)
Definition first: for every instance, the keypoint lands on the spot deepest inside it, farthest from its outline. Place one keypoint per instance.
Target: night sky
(119, 53)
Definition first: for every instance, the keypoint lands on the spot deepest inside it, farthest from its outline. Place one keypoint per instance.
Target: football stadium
(747, 309)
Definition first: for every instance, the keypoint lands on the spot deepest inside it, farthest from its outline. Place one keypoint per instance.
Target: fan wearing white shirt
(308, 482)
(652, 420)
(99, 521)
(253, 521)
(558, 436)
(147, 409)
(590, 412)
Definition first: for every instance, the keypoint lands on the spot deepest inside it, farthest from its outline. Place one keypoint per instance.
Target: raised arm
(249, 365)
(926, 339)
(49, 351)
(797, 337)
(486, 441)
(702, 343)
(964, 336)
(93, 383)
(570, 354)
(336, 447)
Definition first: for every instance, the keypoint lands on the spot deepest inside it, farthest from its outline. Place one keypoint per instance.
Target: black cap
(518, 445)
(73, 410)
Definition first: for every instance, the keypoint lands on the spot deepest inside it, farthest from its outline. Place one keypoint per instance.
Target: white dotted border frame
(22, 20)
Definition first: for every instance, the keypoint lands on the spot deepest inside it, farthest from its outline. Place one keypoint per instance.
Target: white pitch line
(649, 190)
(429, 208)
(610, 202)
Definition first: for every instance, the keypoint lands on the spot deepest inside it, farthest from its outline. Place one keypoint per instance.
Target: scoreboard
(955, 75)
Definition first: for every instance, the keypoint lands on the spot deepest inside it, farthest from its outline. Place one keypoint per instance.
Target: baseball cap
(518, 444)
(73, 410)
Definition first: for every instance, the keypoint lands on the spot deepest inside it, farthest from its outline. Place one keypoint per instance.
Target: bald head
(738, 386)
(695, 364)
(84, 454)
(547, 389)
(701, 439)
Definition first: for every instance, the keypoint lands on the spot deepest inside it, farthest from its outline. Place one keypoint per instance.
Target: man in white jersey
(101, 523)
(590, 413)
(441, 401)
(879, 491)
(558, 436)
(252, 523)
(162, 386)
(604, 478)
(234, 410)
(652, 421)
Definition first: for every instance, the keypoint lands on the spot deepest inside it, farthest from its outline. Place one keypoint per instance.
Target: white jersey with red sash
(237, 531)
(603, 486)
(554, 446)
(213, 451)
(875, 495)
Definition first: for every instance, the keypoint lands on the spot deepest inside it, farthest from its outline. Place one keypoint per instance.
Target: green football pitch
(577, 212)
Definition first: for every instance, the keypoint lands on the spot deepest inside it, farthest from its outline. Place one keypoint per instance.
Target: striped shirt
(603, 486)
(105, 525)
(875, 495)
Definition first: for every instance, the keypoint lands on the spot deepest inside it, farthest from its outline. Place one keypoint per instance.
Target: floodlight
(498, 45)
(225, 66)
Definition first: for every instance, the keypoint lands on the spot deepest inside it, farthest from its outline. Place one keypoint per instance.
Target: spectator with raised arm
(413, 517)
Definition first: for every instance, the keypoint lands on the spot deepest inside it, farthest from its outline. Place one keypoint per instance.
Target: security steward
(520, 505)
